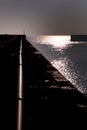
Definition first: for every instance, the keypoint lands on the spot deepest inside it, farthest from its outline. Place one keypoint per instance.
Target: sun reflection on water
(64, 66)
(58, 47)
(55, 40)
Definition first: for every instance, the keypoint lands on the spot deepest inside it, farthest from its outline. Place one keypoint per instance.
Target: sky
(48, 17)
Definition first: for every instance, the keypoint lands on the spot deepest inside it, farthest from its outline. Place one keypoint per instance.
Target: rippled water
(68, 57)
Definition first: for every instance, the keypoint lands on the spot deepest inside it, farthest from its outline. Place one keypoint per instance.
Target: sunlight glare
(56, 40)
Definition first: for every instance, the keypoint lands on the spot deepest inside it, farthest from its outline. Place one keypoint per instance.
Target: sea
(68, 57)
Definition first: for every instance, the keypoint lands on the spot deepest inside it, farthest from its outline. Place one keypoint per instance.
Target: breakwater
(49, 100)
(78, 37)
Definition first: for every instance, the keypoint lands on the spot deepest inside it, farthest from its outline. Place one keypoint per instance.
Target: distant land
(78, 37)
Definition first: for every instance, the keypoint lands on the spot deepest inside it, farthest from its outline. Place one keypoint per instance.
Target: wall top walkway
(49, 100)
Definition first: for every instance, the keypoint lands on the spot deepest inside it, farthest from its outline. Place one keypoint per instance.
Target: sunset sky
(43, 16)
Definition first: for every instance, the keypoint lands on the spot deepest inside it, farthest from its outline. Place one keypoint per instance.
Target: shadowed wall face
(43, 17)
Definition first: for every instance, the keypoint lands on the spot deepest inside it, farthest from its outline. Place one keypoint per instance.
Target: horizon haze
(39, 17)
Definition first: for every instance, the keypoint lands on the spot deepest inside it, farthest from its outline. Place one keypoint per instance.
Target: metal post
(20, 91)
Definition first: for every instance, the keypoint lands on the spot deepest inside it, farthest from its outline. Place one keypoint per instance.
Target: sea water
(70, 58)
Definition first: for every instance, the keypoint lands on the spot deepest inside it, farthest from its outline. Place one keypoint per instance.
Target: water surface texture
(68, 57)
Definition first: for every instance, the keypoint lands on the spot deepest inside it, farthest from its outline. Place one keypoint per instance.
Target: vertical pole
(20, 91)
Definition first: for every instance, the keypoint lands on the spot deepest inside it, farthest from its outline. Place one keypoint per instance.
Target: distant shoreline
(78, 37)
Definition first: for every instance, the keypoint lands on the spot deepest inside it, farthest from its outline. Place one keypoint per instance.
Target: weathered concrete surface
(9, 49)
(50, 101)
